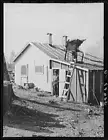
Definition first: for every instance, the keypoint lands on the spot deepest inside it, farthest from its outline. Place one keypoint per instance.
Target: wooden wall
(95, 86)
(79, 86)
(85, 84)
(38, 59)
(54, 64)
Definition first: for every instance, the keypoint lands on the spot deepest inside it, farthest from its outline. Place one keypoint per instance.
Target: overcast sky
(31, 22)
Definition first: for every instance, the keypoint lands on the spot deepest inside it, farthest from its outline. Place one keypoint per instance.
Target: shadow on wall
(31, 120)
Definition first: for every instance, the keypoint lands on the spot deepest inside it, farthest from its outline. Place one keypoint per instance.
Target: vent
(64, 40)
(50, 38)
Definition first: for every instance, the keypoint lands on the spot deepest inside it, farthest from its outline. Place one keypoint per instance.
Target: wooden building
(37, 62)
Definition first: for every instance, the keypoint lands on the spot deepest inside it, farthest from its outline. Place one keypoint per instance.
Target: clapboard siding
(33, 57)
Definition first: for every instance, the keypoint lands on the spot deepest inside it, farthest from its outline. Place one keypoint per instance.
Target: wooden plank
(69, 91)
(85, 88)
(93, 83)
(21, 52)
(67, 83)
(76, 84)
(94, 87)
(78, 67)
(80, 90)
(51, 81)
(65, 90)
(47, 73)
(88, 86)
(101, 86)
(61, 81)
(56, 65)
(63, 66)
(68, 75)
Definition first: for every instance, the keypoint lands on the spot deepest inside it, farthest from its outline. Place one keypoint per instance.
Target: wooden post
(85, 88)
(88, 88)
(47, 73)
(52, 82)
(93, 84)
(94, 94)
(101, 86)
(76, 84)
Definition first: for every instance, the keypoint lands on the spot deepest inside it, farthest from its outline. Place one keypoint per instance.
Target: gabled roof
(21, 52)
(58, 52)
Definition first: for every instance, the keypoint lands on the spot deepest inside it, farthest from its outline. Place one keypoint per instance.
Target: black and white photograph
(53, 78)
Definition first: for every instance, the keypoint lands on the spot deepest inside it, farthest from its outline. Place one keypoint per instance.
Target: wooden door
(24, 74)
(62, 76)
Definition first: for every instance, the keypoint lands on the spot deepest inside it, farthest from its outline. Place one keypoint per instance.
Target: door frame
(25, 76)
(62, 81)
(52, 79)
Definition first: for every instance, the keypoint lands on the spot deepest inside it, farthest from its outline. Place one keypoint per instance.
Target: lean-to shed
(36, 64)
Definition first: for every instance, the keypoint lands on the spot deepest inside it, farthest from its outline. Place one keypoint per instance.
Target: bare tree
(12, 56)
(10, 64)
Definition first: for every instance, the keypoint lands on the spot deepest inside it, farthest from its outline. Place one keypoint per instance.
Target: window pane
(39, 69)
(23, 70)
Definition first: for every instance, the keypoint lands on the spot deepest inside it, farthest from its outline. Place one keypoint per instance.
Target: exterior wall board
(73, 87)
(56, 65)
(33, 57)
(90, 96)
(95, 86)
(79, 86)
(86, 85)
(101, 86)
(64, 66)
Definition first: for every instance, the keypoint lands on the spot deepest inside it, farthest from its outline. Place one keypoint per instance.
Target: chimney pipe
(50, 38)
(65, 39)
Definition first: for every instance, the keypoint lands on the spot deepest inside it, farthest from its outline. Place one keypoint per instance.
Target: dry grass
(40, 114)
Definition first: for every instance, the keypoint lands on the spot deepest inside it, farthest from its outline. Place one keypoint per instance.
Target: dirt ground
(37, 114)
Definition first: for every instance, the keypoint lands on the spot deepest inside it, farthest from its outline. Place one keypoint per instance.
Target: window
(39, 69)
(23, 70)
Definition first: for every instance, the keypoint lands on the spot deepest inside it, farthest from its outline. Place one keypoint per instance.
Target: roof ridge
(57, 46)
(58, 52)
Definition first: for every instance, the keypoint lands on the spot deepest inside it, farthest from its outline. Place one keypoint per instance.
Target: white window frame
(26, 70)
(42, 66)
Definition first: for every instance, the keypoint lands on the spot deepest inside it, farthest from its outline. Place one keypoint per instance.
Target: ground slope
(40, 114)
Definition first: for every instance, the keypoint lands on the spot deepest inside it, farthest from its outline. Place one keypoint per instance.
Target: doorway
(55, 82)
(24, 74)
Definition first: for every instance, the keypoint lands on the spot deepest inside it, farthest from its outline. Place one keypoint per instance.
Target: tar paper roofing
(58, 52)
